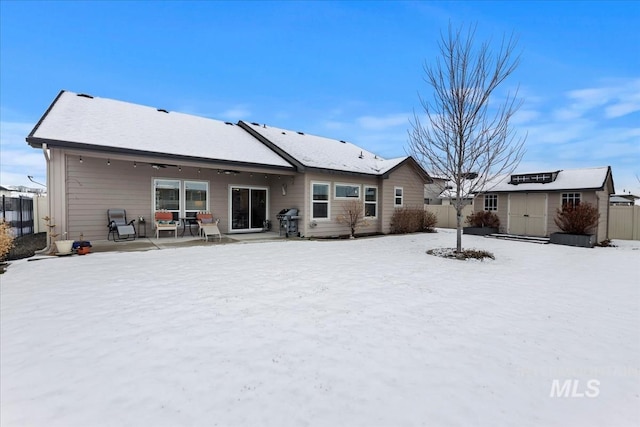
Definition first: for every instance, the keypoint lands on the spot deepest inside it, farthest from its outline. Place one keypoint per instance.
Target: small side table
(142, 228)
(188, 222)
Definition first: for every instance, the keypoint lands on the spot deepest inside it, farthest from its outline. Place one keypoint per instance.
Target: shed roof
(75, 120)
(569, 179)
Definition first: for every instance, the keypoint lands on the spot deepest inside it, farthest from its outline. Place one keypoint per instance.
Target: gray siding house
(103, 154)
(526, 203)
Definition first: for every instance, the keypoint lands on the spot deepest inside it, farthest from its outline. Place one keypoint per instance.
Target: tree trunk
(458, 230)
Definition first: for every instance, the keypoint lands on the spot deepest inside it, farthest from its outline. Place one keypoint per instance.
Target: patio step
(519, 238)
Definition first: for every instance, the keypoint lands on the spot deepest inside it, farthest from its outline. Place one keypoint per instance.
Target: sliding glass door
(248, 208)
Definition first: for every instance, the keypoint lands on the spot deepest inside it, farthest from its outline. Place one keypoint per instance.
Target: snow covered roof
(310, 151)
(85, 121)
(570, 179)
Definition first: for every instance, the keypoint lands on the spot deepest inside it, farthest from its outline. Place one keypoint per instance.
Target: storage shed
(526, 203)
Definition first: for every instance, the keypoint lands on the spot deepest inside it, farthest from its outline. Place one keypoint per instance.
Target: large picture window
(370, 202)
(182, 198)
(195, 193)
(167, 196)
(319, 200)
(346, 191)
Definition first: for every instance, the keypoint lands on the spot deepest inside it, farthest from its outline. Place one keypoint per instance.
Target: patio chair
(208, 226)
(119, 228)
(164, 222)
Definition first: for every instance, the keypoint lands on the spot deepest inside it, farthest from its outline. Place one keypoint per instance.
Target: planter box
(580, 240)
(479, 231)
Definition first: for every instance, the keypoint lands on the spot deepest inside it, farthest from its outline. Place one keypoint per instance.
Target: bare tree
(467, 138)
(353, 216)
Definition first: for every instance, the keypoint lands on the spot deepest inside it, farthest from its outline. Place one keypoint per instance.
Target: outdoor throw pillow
(206, 220)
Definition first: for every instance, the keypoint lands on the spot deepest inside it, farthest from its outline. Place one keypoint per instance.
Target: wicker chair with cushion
(164, 222)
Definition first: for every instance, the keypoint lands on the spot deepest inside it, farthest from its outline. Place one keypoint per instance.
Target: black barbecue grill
(288, 221)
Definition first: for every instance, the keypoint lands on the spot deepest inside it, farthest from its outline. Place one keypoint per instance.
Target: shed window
(570, 199)
(490, 202)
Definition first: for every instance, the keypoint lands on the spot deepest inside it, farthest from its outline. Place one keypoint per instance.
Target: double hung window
(398, 201)
(370, 202)
(319, 200)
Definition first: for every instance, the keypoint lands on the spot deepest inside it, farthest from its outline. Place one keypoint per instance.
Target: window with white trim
(398, 200)
(571, 199)
(346, 191)
(319, 200)
(181, 197)
(490, 202)
(370, 202)
(167, 195)
(195, 197)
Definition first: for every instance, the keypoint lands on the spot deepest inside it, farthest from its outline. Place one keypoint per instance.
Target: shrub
(483, 219)
(577, 219)
(6, 239)
(430, 221)
(411, 220)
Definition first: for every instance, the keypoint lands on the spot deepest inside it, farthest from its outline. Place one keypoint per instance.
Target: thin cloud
(525, 116)
(14, 134)
(610, 101)
(384, 122)
(239, 112)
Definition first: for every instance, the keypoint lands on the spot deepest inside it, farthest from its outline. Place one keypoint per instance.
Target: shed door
(527, 214)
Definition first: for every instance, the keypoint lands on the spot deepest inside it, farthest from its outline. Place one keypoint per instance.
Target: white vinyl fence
(446, 214)
(624, 222)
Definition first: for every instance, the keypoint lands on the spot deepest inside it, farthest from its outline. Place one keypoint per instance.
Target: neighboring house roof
(570, 179)
(81, 121)
(451, 194)
(618, 199)
(317, 152)
(627, 197)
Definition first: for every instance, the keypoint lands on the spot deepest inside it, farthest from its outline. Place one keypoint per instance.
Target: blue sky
(345, 70)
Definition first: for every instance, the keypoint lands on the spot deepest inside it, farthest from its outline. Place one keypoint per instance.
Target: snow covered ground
(369, 332)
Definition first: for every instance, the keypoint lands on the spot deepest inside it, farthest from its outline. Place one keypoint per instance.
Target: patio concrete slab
(151, 243)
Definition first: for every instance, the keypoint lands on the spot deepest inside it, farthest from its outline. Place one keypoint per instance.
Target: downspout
(47, 157)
